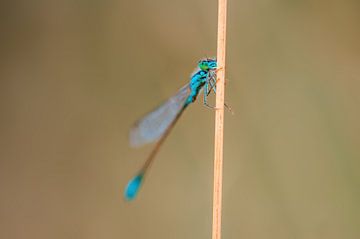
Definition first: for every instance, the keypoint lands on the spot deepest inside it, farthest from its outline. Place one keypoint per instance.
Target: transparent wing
(155, 123)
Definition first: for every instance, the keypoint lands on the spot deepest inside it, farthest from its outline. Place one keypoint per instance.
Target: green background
(75, 75)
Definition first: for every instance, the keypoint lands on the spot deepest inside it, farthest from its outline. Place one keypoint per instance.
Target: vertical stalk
(219, 120)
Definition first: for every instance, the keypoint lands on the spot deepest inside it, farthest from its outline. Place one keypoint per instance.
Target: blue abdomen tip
(133, 187)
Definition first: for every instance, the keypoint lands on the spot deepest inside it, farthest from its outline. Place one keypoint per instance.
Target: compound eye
(212, 65)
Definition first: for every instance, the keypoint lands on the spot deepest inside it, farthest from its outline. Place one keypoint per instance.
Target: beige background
(74, 76)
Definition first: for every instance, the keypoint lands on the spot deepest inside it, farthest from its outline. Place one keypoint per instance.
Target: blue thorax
(200, 78)
(197, 81)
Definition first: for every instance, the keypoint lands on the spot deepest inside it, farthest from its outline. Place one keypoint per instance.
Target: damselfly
(156, 125)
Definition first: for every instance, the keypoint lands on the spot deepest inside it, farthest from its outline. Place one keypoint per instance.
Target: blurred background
(75, 75)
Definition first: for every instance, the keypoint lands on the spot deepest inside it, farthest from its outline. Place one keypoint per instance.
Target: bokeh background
(75, 75)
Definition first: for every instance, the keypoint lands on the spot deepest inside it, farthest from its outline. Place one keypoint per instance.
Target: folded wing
(153, 125)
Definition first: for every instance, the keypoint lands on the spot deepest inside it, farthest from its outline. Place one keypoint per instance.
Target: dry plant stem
(219, 120)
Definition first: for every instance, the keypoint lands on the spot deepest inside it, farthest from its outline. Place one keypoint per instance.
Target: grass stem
(219, 120)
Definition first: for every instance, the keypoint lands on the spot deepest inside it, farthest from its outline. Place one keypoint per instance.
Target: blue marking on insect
(156, 125)
(133, 187)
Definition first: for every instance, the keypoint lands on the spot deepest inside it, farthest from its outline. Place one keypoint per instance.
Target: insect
(156, 125)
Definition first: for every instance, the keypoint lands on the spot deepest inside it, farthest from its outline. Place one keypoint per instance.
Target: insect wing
(153, 125)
